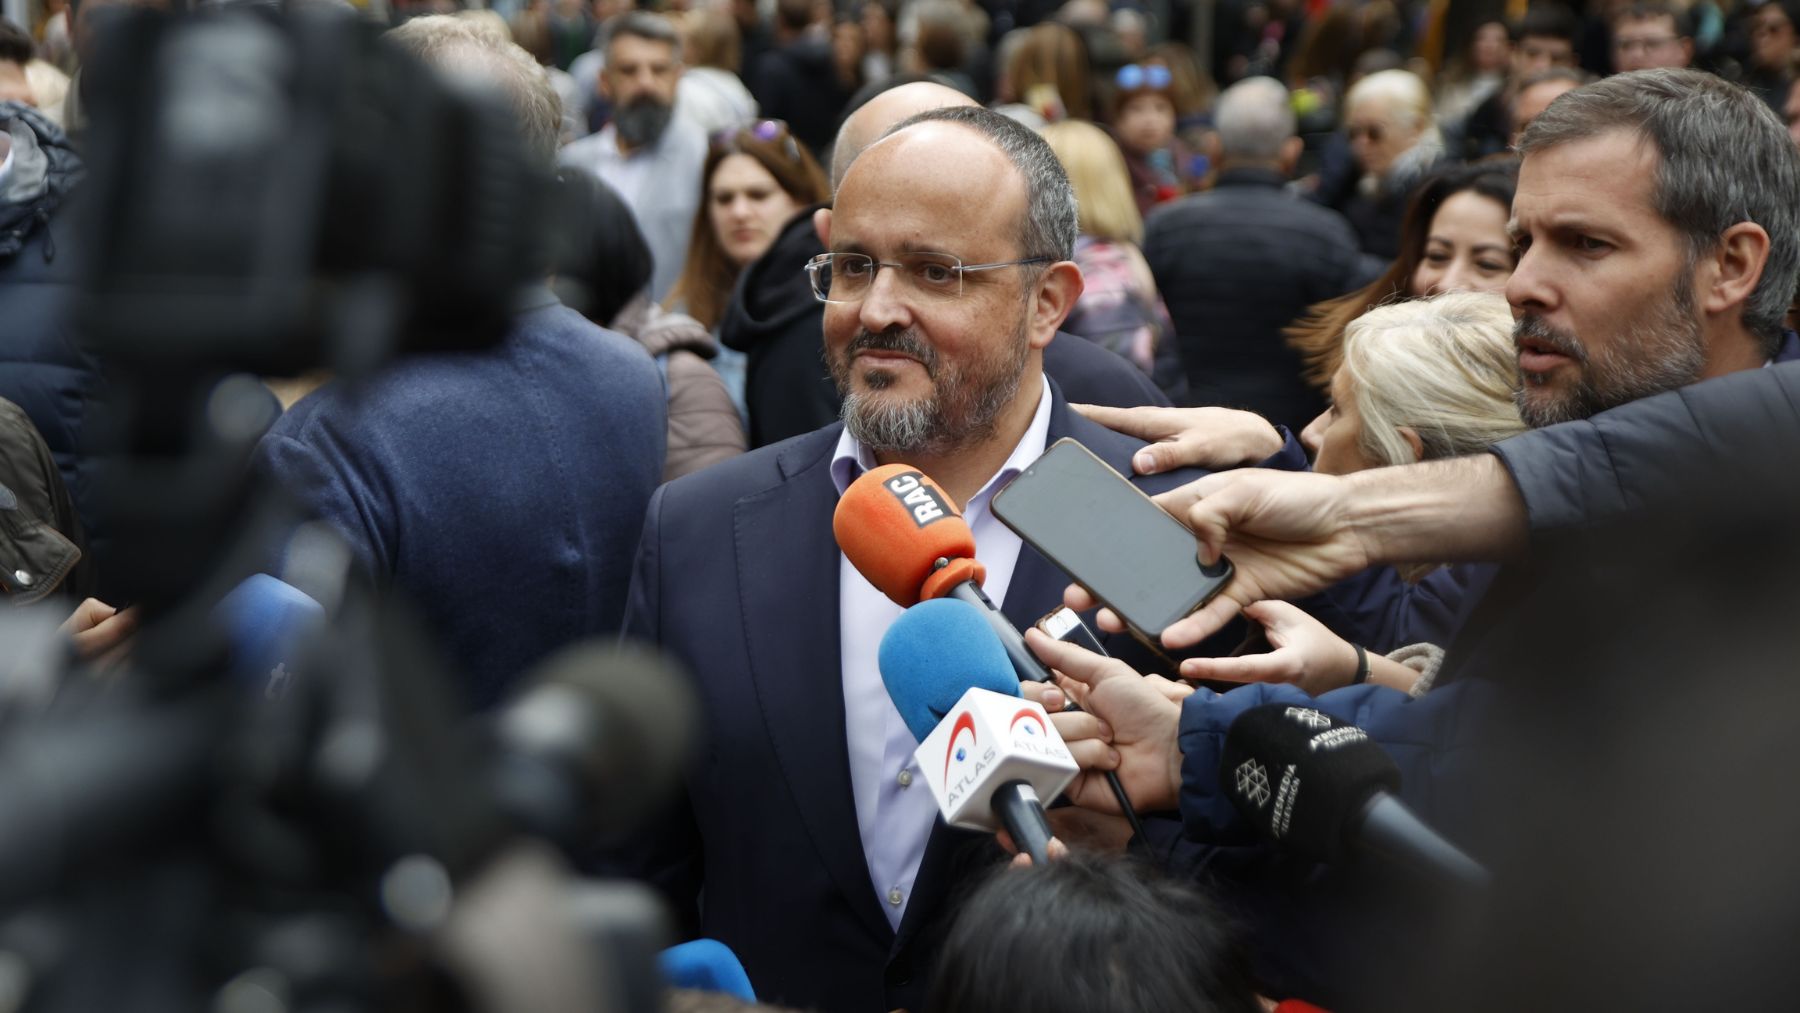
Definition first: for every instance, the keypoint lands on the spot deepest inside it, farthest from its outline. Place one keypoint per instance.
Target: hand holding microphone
(989, 757)
(905, 535)
(1129, 729)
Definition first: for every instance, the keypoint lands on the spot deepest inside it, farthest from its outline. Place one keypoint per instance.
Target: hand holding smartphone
(1110, 538)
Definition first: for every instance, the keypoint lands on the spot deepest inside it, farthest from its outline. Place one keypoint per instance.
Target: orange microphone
(905, 535)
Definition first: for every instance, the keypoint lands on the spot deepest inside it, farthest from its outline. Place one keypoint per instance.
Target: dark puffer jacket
(43, 368)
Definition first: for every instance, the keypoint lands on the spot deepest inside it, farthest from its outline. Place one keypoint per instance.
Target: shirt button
(905, 779)
(22, 577)
(895, 896)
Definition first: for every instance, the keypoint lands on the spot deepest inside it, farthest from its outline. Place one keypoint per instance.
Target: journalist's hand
(1306, 653)
(1211, 438)
(1128, 726)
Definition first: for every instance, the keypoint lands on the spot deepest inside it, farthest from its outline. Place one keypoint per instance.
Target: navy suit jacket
(737, 576)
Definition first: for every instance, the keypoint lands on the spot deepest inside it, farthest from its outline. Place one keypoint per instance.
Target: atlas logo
(958, 751)
(1027, 722)
(970, 761)
(921, 500)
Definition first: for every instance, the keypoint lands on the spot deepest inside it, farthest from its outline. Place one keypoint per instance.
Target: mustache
(894, 340)
(1538, 331)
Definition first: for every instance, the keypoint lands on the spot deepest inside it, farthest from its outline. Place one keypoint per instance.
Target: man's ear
(1291, 150)
(1057, 291)
(1411, 436)
(1727, 279)
(606, 89)
(822, 226)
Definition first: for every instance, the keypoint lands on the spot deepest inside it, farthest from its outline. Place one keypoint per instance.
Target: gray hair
(1255, 119)
(471, 51)
(1049, 228)
(1724, 158)
(640, 25)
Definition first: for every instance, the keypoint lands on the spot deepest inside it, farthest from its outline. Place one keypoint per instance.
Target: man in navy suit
(805, 840)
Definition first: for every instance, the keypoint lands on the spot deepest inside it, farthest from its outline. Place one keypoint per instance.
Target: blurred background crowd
(1297, 208)
(714, 124)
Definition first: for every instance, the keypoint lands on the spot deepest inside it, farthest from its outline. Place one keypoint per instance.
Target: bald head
(880, 113)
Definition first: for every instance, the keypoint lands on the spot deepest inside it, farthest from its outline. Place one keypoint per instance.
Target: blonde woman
(1420, 380)
(1119, 308)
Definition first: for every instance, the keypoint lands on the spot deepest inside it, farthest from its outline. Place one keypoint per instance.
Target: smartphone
(1110, 538)
(1063, 624)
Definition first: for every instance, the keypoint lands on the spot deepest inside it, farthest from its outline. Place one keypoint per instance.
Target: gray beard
(642, 123)
(1667, 352)
(954, 416)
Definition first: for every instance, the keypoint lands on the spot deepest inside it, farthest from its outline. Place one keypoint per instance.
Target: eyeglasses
(847, 277)
(1133, 76)
(766, 131)
(1373, 131)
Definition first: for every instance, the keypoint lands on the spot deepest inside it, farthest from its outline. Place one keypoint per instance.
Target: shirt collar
(851, 458)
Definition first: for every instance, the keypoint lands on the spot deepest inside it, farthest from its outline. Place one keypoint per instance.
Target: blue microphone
(930, 657)
(267, 621)
(706, 965)
(934, 653)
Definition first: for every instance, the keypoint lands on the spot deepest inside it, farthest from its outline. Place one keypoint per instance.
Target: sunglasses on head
(766, 131)
(1134, 76)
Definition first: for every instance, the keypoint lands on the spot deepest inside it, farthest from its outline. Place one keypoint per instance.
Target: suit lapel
(783, 541)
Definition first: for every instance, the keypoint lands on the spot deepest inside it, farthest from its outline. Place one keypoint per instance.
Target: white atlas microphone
(989, 754)
(991, 761)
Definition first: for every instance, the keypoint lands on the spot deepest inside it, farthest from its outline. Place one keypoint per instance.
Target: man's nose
(884, 305)
(1530, 286)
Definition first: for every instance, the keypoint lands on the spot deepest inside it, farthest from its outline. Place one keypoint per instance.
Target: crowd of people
(1393, 304)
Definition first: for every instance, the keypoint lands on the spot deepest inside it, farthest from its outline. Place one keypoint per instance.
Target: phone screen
(1109, 538)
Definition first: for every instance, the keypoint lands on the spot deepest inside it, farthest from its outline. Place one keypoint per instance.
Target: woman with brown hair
(1049, 73)
(754, 180)
(1453, 237)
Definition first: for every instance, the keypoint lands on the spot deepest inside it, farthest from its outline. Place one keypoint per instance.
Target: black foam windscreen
(1300, 775)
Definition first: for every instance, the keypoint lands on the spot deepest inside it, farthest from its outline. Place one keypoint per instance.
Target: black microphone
(1322, 788)
(596, 743)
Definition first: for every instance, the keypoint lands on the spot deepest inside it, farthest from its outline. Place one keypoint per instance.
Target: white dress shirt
(894, 809)
(660, 184)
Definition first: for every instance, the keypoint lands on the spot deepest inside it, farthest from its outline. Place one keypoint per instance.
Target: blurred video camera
(280, 192)
(272, 192)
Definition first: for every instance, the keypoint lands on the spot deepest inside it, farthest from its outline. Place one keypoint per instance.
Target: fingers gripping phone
(1110, 538)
